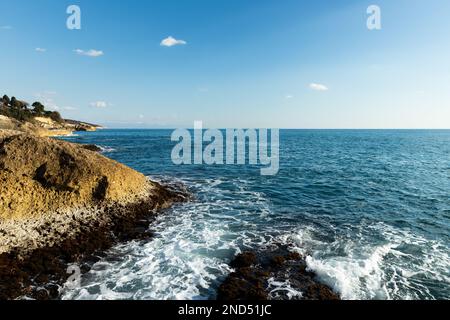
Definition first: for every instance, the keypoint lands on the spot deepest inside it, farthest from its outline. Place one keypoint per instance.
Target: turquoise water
(369, 209)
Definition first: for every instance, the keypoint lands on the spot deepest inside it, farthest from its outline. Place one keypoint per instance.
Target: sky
(231, 63)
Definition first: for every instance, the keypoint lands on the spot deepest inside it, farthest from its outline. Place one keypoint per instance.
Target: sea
(369, 209)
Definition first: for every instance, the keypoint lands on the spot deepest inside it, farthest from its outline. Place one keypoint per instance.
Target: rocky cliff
(38, 127)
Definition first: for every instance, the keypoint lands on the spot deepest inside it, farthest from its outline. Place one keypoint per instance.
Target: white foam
(105, 149)
(193, 243)
(188, 256)
(358, 268)
(353, 278)
(279, 289)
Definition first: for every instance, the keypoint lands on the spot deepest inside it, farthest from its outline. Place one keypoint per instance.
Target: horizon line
(246, 128)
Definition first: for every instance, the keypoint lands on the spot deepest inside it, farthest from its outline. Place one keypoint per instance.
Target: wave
(105, 149)
(194, 242)
(400, 265)
(188, 257)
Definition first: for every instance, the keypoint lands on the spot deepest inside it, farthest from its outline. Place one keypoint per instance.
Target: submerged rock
(256, 273)
(61, 203)
(92, 147)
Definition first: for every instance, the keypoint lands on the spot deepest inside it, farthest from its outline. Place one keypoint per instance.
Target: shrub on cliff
(6, 100)
(56, 116)
(20, 110)
(21, 114)
(16, 109)
(18, 104)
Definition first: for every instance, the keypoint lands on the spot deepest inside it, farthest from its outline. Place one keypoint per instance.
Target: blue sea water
(369, 209)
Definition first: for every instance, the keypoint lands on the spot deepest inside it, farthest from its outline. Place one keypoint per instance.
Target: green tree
(6, 100)
(17, 104)
(56, 116)
(38, 108)
(23, 105)
(13, 103)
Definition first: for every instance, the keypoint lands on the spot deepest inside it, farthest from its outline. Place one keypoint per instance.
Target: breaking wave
(188, 257)
(400, 265)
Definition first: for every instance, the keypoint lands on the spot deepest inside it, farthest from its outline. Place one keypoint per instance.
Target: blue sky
(246, 63)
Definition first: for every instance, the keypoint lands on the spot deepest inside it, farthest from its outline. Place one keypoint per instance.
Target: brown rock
(41, 175)
(47, 185)
(245, 259)
(63, 204)
(250, 281)
(91, 147)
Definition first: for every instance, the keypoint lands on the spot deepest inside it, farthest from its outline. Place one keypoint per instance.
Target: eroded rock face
(49, 182)
(256, 271)
(40, 175)
(7, 123)
(61, 203)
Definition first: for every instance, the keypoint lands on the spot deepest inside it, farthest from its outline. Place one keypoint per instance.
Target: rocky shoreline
(63, 204)
(60, 204)
(40, 273)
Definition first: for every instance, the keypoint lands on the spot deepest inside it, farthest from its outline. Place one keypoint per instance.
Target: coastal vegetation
(19, 115)
(22, 111)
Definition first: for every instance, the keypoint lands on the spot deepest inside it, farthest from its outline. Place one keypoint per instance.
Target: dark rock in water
(92, 147)
(250, 280)
(244, 260)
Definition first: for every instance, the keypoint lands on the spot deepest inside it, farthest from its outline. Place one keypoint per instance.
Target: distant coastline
(20, 116)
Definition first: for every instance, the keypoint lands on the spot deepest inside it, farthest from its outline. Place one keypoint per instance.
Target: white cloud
(69, 108)
(170, 42)
(289, 96)
(318, 87)
(90, 53)
(40, 50)
(6, 27)
(99, 104)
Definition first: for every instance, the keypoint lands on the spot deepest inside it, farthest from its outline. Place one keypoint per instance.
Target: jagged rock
(253, 269)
